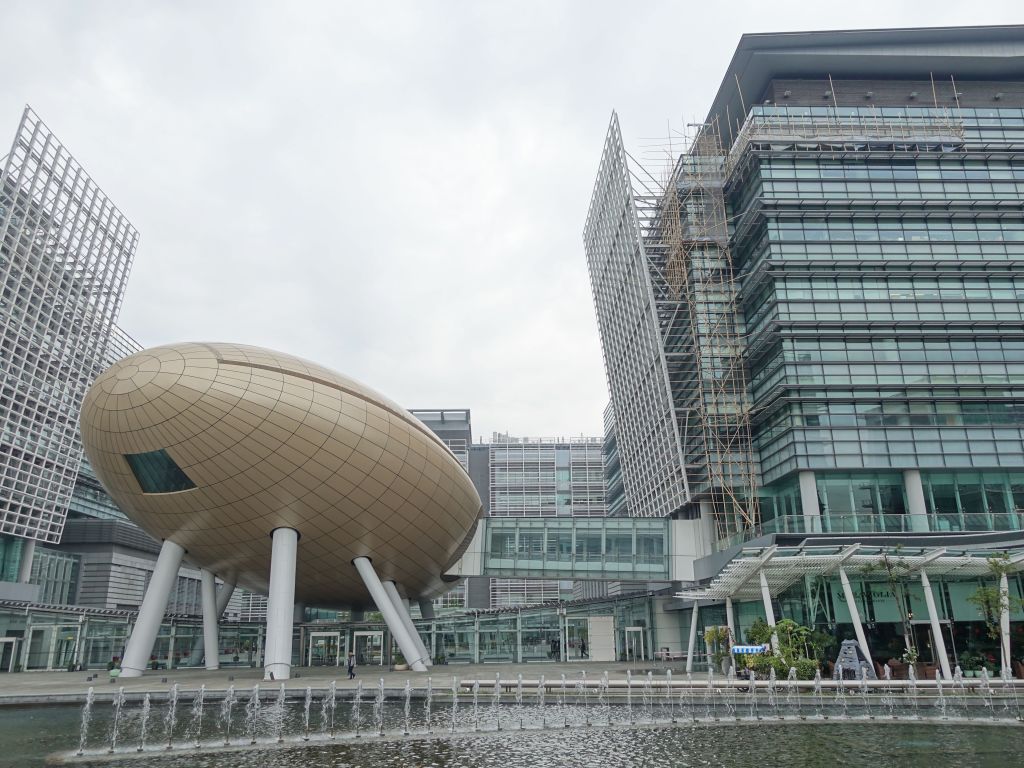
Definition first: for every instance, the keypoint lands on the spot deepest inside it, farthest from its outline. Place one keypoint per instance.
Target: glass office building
(872, 237)
(813, 319)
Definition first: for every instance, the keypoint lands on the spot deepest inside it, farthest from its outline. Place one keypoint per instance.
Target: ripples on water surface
(744, 746)
(27, 735)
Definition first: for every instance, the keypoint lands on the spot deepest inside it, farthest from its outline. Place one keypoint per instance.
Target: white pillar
(151, 613)
(809, 502)
(403, 613)
(28, 551)
(933, 617)
(855, 617)
(1004, 621)
(917, 512)
(210, 642)
(199, 646)
(277, 653)
(427, 609)
(693, 638)
(227, 589)
(390, 613)
(730, 622)
(769, 612)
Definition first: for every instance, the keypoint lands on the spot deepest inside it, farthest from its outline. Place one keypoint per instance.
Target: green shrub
(760, 632)
(805, 669)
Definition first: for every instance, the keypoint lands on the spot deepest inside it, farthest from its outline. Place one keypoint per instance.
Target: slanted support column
(858, 629)
(809, 502)
(210, 642)
(427, 609)
(1004, 622)
(403, 612)
(917, 512)
(28, 552)
(693, 638)
(277, 653)
(933, 617)
(769, 612)
(730, 621)
(151, 613)
(199, 646)
(390, 613)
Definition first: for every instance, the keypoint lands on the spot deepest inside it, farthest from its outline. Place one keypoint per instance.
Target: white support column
(403, 613)
(227, 589)
(693, 638)
(199, 646)
(858, 629)
(809, 502)
(1004, 622)
(769, 612)
(427, 609)
(277, 655)
(933, 617)
(730, 621)
(917, 512)
(28, 552)
(211, 644)
(151, 613)
(390, 613)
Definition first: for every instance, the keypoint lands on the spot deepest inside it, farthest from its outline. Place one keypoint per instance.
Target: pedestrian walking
(351, 665)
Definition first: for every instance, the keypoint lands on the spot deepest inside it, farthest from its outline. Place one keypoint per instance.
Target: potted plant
(970, 663)
(399, 662)
(716, 639)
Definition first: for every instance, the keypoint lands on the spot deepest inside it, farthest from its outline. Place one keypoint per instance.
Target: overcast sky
(394, 190)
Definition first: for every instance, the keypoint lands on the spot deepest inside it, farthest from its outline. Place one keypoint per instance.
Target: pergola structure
(764, 571)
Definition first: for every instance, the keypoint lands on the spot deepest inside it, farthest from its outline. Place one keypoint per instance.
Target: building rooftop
(965, 53)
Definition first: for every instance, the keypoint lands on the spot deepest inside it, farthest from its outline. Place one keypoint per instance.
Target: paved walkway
(58, 687)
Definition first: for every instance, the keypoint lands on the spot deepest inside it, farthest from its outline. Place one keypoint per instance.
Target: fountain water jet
(455, 701)
(496, 702)
(305, 713)
(115, 726)
(143, 722)
(378, 708)
(357, 700)
(172, 715)
(407, 707)
(279, 713)
(83, 729)
(225, 713)
(195, 725)
(428, 703)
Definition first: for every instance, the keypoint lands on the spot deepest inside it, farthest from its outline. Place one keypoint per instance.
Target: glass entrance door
(635, 650)
(325, 649)
(8, 646)
(65, 643)
(368, 648)
(577, 639)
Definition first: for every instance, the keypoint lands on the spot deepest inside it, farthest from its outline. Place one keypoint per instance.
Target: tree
(895, 570)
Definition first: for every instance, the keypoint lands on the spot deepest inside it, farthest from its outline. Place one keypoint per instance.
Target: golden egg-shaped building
(214, 447)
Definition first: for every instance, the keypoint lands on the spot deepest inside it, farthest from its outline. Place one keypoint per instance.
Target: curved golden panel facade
(234, 441)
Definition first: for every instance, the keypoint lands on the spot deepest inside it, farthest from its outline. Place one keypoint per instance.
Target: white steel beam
(390, 613)
(151, 613)
(403, 613)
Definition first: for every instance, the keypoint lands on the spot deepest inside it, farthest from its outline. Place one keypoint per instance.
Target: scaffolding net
(685, 231)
